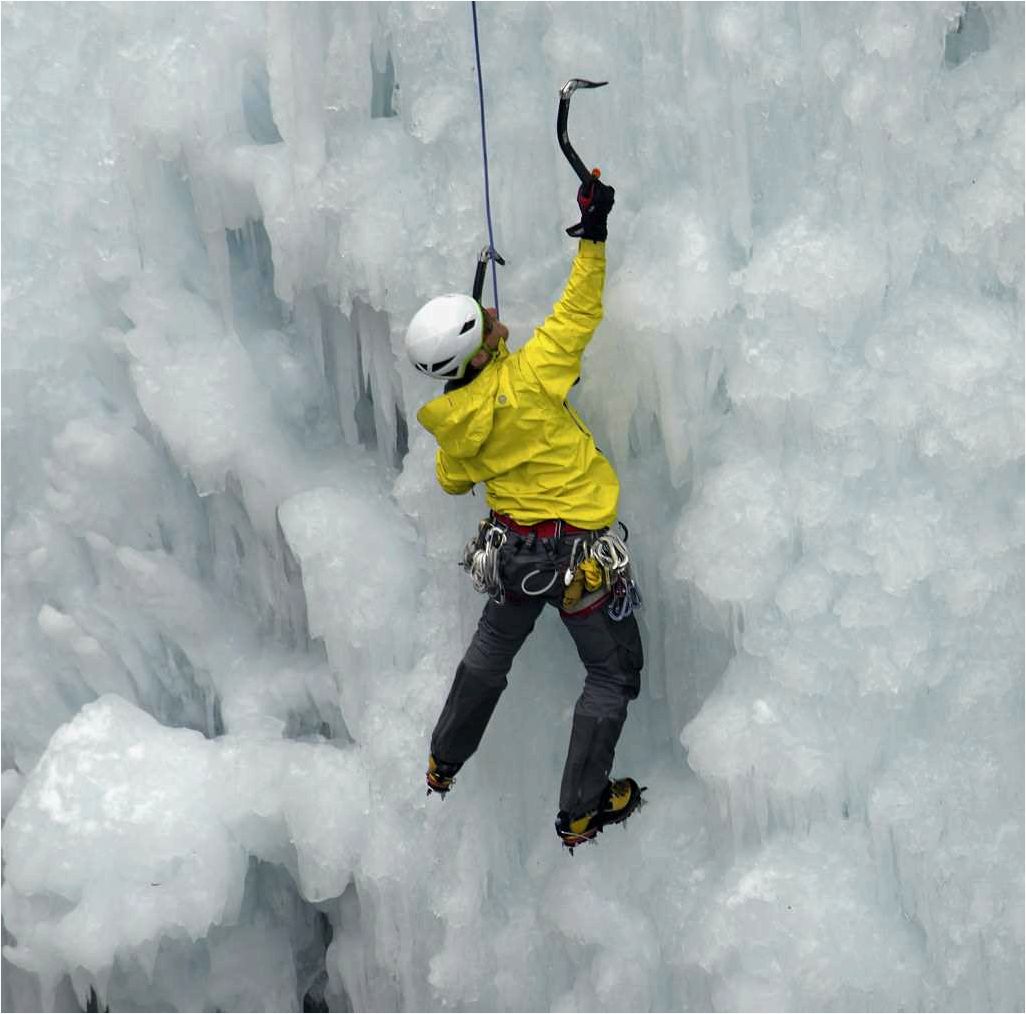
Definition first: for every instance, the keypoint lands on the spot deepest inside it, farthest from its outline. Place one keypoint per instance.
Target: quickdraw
(487, 254)
(484, 155)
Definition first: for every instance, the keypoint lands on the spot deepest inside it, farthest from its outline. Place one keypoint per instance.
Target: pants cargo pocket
(629, 649)
(610, 650)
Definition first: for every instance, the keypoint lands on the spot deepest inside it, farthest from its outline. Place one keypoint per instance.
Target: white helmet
(444, 335)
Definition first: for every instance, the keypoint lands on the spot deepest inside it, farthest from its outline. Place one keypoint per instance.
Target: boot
(620, 799)
(440, 775)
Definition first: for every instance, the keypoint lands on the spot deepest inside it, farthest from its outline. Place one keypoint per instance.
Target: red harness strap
(543, 529)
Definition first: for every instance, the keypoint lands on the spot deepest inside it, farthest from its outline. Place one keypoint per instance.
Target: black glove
(595, 200)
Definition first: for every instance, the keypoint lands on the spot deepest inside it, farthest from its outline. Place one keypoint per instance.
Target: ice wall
(231, 606)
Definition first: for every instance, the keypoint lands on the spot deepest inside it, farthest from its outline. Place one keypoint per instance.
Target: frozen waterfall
(231, 605)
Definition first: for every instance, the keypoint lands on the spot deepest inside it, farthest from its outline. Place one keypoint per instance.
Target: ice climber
(504, 420)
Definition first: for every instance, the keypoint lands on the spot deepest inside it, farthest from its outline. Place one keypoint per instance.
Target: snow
(231, 603)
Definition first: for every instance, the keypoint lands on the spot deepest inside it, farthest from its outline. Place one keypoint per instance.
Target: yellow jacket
(513, 429)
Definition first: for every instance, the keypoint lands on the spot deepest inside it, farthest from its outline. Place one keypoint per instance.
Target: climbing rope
(484, 150)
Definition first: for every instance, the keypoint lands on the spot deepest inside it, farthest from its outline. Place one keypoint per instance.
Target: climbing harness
(484, 151)
(549, 545)
(564, 141)
(597, 573)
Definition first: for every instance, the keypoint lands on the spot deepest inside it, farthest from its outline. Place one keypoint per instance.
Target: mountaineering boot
(440, 775)
(620, 799)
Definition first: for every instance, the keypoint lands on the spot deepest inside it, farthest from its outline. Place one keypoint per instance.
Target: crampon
(440, 776)
(621, 800)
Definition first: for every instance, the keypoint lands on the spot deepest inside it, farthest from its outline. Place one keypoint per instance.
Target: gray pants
(611, 653)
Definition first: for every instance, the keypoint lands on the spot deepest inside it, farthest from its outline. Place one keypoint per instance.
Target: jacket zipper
(577, 423)
(580, 426)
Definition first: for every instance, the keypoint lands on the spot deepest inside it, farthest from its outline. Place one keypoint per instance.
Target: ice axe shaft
(564, 141)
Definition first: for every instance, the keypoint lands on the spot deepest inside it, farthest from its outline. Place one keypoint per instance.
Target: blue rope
(484, 149)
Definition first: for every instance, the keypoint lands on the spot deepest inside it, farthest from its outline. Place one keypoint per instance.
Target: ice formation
(231, 606)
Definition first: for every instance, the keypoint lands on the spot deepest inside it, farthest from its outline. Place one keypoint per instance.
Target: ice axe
(564, 141)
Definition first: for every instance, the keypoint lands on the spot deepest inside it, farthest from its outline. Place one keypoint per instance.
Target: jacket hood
(462, 420)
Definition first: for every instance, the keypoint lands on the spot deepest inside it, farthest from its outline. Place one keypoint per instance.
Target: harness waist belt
(543, 529)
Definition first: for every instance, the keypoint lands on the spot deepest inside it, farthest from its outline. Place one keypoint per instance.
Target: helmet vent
(466, 327)
(441, 364)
